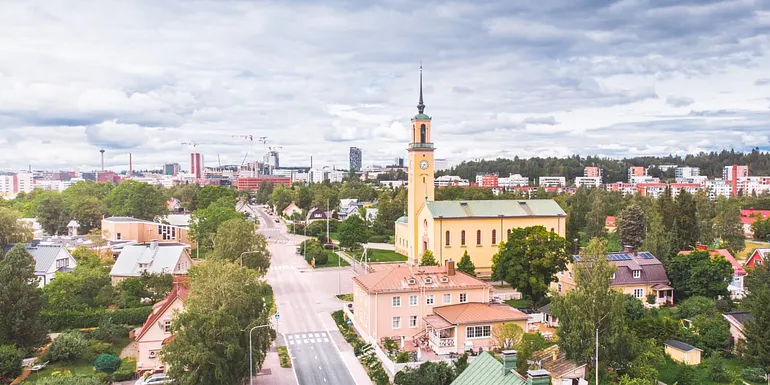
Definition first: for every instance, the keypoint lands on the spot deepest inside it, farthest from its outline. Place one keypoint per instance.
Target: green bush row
(64, 320)
(374, 368)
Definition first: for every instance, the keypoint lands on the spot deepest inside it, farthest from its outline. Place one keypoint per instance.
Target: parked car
(160, 378)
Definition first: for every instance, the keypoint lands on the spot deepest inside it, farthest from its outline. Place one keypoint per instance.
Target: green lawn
(334, 261)
(345, 297)
(79, 366)
(750, 246)
(518, 303)
(670, 370)
(378, 255)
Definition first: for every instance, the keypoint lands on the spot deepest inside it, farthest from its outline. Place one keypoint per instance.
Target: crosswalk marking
(282, 267)
(308, 338)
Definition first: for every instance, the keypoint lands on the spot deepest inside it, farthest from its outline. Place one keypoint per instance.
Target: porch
(442, 336)
(664, 295)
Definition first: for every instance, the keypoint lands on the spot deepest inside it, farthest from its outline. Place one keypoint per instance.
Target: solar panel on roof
(618, 257)
(646, 255)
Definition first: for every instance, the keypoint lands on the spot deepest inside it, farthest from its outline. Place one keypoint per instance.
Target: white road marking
(326, 340)
(304, 336)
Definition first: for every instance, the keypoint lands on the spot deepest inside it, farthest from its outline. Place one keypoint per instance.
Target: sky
(502, 79)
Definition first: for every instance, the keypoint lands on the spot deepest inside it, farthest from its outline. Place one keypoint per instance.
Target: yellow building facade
(450, 228)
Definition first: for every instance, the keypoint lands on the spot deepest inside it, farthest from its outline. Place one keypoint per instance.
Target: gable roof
(495, 208)
(180, 291)
(397, 280)
(559, 366)
(737, 268)
(739, 318)
(475, 312)
(651, 269)
(679, 345)
(758, 253)
(486, 370)
(44, 255)
(160, 259)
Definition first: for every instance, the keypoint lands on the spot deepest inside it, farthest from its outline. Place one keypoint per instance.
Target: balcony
(420, 145)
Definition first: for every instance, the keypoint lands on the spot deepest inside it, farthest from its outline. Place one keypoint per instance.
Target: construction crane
(274, 148)
(249, 137)
(194, 144)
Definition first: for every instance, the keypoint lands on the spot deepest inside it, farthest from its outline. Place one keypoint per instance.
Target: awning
(437, 322)
(659, 287)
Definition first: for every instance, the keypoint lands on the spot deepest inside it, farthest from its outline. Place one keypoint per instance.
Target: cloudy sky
(502, 78)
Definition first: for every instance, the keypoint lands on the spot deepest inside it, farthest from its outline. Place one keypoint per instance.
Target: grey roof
(495, 208)
(652, 270)
(740, 316)
(546, 309)
(486, 370)
(125, 219)
(160, 259)
(44, 255)
(676, 344)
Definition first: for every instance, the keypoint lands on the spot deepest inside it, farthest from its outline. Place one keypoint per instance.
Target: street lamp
(244, 253)
(596, 368)
(251, 359)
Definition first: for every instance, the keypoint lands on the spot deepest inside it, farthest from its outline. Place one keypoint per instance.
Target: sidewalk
(272, 373)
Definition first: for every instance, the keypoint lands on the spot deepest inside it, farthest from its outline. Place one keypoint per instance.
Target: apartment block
(592, 172)
(552, 181)
(487, 180)
(588, 181)
(514, 180)
(636, 171)
(686, 172)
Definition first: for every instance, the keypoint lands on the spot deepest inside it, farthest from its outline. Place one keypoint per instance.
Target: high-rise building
(271, 159)
(196, 165)
(592, 172)
(636, 171)
(686, 172)
(355, 158)
(171, 168)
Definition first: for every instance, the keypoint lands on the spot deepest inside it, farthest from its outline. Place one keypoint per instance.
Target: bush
(694, 306)
(717, 370)
(403, 357)
(10, 361)
(68, 346)
(107, 363)
(69, 379)
(283, 355)
(126, 370)
(108, 330)
(753, 374)
(63, 320)
(96, 348)
(322, 258)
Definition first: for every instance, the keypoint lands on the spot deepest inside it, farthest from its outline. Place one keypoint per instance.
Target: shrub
(717, 370)
(283, 355)
(107, 363)
(126, 370)
(322, 258)
(69, 379)
(753, 374)
(108, 330)
(694, 306)
(68, 346)
(96, 348)
(63, 320)
(390, 345)
(379, 238)
(403, 357)
(10, 361)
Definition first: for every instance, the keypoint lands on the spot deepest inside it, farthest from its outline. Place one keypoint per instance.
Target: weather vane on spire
(421, 105)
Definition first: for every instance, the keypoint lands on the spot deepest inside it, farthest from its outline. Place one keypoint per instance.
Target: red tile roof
(180, 290)
(475, 312)
(737, 268)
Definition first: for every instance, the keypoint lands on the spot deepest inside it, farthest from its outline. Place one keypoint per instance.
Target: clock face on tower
(424, 164)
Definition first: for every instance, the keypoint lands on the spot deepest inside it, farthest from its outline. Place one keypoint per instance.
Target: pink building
(156, 331)
(433, 307)
(196, 165)
(592, 172)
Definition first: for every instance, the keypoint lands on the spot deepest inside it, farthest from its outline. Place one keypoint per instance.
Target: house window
(637, 273)
(478, 237)
(446, 299)
(62, 263)
(462, 238)
(396, 323)
(508, 235)
(478, 331)
(463, 297)
(758, 262)
(396, 301)
(639, 293)
(167, 326)
(412, 300)
(613, 276)
(117, 236)
(558, 287)
(570, 275)
(446, 242)
(412, 321)
(494, 237)
(429, 300)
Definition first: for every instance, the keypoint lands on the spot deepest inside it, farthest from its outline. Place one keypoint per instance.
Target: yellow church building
(449, 228)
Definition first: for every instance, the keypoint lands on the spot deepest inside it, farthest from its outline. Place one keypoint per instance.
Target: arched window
(423, 133)
(494, 237)
(414, 133)
(447, 238)
(478, 237)
(462, 238)
(508, 235)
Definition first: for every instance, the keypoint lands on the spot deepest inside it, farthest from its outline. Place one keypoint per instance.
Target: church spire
(421, 105)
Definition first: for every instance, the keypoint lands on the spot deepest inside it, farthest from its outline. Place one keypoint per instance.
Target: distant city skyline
(501, 80)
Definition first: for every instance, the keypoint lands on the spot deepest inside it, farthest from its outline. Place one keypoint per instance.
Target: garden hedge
(64, 320)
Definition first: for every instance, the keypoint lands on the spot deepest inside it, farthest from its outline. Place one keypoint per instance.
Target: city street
(305, 299)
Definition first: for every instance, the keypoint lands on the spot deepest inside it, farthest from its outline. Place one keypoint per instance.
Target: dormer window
(444, 279)
(428, 280)
(637, 273)
(411, 281)
(613, 276)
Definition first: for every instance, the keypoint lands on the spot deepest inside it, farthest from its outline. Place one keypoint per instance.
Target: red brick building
(253, 183)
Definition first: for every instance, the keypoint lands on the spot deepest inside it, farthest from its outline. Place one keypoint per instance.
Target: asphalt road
(302, 302)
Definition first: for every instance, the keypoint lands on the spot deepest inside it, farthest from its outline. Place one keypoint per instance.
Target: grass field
(518, 303)
(79, 366)
(750, 246)
(334, 261)
(378, 255)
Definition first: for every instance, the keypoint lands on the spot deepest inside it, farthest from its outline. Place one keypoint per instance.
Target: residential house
(318, 214)
(548, 319)
(153, 257)
(610, 224)
(748, 217)
(371, 214)
(554, 360)
(141, 231)
(739, 273)
(737, 321)
(682, 352)
(49, 260)
(291, 209)
(435, 307)
(72, 228)
(346, 211)
(638, 274)
(487, 370)
(757, 257)
(173, 205)
(156, 330)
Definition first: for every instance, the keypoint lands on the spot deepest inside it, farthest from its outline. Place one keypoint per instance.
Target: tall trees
(466, 265)
(211, 337)
(136, 199)
(593, 304)
(265, 191)
(12, 229)
(698, 274)
(204, 222)
(237, 236)
(656, 239)
(353, 232)
(596, 219)
(761, 229)
(85, 287)
(211, 194)
(85, 203)
(729, 227)
(632, 226)
(666, 208)
(51, 212)
(281, 198)
(685, 223)
(757, 347)
(529, 261)
(705, 217)
(20, 300)
(576, 215)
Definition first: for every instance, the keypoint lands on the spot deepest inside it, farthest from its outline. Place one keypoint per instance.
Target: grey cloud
(679, 101)
(548, 120)
(462, 90)
(762, 82)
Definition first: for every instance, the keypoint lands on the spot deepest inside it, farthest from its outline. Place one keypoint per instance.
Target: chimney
(555, 355)
(130, 165)
(538, 377)
(509, 361)
(629, 249)
(450, 267)
(701, 247)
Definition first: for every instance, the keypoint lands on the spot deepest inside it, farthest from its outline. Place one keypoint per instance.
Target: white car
(160, 378)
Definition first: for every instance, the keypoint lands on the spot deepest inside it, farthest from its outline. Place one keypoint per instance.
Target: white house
(49, 260)
(158, 258)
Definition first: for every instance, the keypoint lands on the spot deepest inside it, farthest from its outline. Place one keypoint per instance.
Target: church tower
(421, 176)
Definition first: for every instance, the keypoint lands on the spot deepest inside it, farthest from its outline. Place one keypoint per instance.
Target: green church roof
(403, 219)
(421, 117)
(495, 208)
(486, 370)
